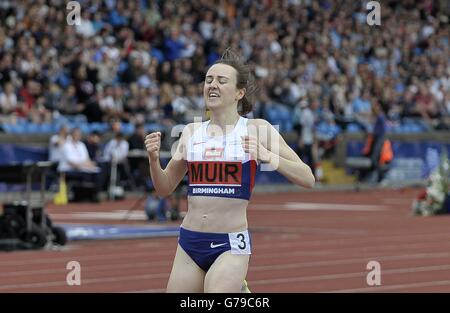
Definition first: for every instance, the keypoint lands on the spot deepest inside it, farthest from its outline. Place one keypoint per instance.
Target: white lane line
(91, 281)
(316, 206)
(408, 257)
(84, 258)
(147, 291)
(347, 275)
(86, 268)
(371, 239)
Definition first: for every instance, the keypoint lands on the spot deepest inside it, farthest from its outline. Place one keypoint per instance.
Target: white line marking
(147, 291)
(310, 206)
(91, 281)
(348, 275)
(349, 261)
(86, 268)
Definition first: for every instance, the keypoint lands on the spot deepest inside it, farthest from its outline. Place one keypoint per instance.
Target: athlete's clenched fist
(153, 145)
(257, 151)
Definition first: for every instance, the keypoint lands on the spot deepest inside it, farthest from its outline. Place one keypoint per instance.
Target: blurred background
(365, 106)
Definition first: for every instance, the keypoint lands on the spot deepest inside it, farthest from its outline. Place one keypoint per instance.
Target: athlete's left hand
(257, 151)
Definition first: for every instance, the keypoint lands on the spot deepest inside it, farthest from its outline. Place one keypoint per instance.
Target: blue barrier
(97, 232)
(10, 153)
(423, 150)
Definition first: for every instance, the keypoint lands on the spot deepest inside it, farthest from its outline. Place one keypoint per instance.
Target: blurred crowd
(144, 61)
(94, 165)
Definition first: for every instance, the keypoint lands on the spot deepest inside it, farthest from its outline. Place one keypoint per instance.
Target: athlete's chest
(219, 167)
(223, 149)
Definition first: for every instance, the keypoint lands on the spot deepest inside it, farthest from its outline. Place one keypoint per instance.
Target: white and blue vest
(218, 166)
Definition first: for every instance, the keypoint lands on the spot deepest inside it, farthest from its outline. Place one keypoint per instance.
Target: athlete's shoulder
(194, 124)
(190, 128)
(258, 122)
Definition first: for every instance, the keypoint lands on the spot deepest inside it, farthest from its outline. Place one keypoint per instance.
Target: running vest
(218, 166)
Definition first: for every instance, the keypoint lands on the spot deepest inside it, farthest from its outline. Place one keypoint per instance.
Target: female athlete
(220, 156)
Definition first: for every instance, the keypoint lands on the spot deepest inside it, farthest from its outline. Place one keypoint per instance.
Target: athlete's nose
(213, 85)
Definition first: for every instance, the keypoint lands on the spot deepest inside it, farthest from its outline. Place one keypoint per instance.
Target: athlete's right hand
(153, 145)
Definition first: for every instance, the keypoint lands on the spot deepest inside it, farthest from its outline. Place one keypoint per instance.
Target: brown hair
(244, 79)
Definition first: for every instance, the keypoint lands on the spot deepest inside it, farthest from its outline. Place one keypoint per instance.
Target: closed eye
(222, 79)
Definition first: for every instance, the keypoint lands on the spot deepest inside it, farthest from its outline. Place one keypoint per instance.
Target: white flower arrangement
(437, 191)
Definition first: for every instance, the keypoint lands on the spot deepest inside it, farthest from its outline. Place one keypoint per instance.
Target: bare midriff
(216, 214)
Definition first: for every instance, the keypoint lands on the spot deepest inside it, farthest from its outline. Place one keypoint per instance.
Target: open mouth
(213, 95)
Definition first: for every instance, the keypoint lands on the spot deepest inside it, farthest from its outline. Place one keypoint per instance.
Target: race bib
(240, 242)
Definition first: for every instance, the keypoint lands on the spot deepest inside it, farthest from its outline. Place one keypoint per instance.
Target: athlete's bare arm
(270, 147)
(166, 180)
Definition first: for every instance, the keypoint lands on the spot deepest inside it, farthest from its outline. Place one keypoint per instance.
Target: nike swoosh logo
(215, 246)
(197, 143)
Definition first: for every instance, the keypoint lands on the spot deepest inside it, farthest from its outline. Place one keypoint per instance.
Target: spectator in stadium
(408, 104)
(93, 146)
(68, 102)
(181, 104)
(362, 109)
(77, 167)
(91, 109)
(111, 103)
(426, 105)
(196, 103)
(75, 156)
(137, 165)
(84, 83)
(32, 104)
(116, 149)
(307, 133)
(173, 45)
(116, 127)
(445, 109)
(8, 102)
(56, 145)
(165, 103)
(136, 140)
(326, 139)
(116, 154)
(165, 72)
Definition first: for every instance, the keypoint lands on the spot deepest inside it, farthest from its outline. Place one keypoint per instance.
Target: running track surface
(302, 242)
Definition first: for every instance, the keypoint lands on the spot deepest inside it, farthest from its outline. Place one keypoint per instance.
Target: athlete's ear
(240, 94)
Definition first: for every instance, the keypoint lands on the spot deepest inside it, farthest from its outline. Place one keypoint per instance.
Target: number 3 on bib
(240, 242)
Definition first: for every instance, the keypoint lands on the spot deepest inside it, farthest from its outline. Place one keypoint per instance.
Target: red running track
(302, 242)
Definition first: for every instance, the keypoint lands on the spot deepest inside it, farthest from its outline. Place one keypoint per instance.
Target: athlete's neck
(224, 120)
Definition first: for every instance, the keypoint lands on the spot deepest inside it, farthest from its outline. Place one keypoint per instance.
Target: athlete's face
(220, 87)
